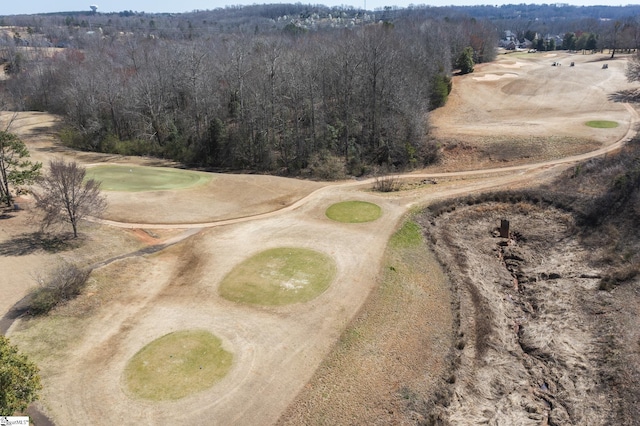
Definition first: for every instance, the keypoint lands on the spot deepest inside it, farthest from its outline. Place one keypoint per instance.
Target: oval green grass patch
(279, 276)
(138, 178)
(354, 212)
(602, 124)
(176, 365)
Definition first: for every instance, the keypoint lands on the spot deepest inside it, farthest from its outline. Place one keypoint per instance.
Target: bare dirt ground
(84, 346)
(539, 340)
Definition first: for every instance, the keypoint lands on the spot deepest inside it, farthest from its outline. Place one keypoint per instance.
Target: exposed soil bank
(538, 342)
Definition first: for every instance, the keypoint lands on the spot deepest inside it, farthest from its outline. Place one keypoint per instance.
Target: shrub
(326, 166)
(65, 283)
(19, 380)
(429, 152)
(440, 89)
(133, 147)
(72, 138)
(465, 61)
(386, 183)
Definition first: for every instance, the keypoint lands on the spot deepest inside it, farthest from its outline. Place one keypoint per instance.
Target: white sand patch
(516, 64)
(550, 55)
(294, 284)
(494, 77)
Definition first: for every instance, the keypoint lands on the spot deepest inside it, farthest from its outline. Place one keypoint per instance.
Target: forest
(286, 89)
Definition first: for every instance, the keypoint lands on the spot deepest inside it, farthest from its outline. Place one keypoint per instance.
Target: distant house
(509, 41)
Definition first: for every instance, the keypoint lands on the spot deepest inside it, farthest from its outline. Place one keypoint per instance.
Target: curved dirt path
(276, 350)
(634, 120)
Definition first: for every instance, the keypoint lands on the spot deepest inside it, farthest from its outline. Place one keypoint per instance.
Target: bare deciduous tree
(66, 197)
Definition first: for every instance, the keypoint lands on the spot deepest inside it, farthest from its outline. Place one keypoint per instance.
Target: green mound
(137, 179)
(176, 365)
(279, 276)
(602, 124)
(354, 212)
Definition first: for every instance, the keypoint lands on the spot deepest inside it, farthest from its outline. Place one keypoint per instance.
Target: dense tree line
(279, 101)
(281, 88)
(271, 87)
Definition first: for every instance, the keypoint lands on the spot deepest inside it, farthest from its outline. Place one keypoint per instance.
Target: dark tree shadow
(32, 242)
(629, 95)
(54, 149)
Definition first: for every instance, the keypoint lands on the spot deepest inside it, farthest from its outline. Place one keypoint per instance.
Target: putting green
(279, 276)
(602, 124)
(354, 212)
(176, 365)
(138, 178)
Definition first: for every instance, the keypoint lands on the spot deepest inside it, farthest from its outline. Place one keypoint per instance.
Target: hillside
(548, 318)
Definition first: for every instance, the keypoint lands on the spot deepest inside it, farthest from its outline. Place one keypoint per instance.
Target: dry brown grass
(392, 357)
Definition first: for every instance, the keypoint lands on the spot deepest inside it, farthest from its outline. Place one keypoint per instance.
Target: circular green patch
(354, 212)
(137, 178)
(602, 124)
(176, 365)
(279, 276)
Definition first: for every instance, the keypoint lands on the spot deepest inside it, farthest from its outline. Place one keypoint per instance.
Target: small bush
(386, 184)
(326, 166)
(65, 283)
(72, 138)
(440, 89)
(429, 153)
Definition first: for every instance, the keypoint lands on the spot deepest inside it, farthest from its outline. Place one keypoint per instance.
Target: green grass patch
(409, 235)
(279, 276)
(138, 178)
(602, 124)
(354, 212)
(176, 365)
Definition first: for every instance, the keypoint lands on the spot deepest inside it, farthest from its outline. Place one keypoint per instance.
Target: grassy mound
(279, 276)
(354, 212)
(176, 365)
(602, 124)
(137, 178)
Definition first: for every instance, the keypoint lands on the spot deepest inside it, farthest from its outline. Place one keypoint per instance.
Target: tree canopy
(633, 69)
(250, 89)
(15, 168)
(19, 379)
(465, 61)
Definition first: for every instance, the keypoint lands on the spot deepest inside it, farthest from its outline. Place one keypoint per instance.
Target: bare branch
(65, 196)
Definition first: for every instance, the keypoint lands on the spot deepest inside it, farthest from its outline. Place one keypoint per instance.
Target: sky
(13, 7)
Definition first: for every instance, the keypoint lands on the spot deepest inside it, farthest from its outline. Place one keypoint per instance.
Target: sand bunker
(495, 77)
(516, 64)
